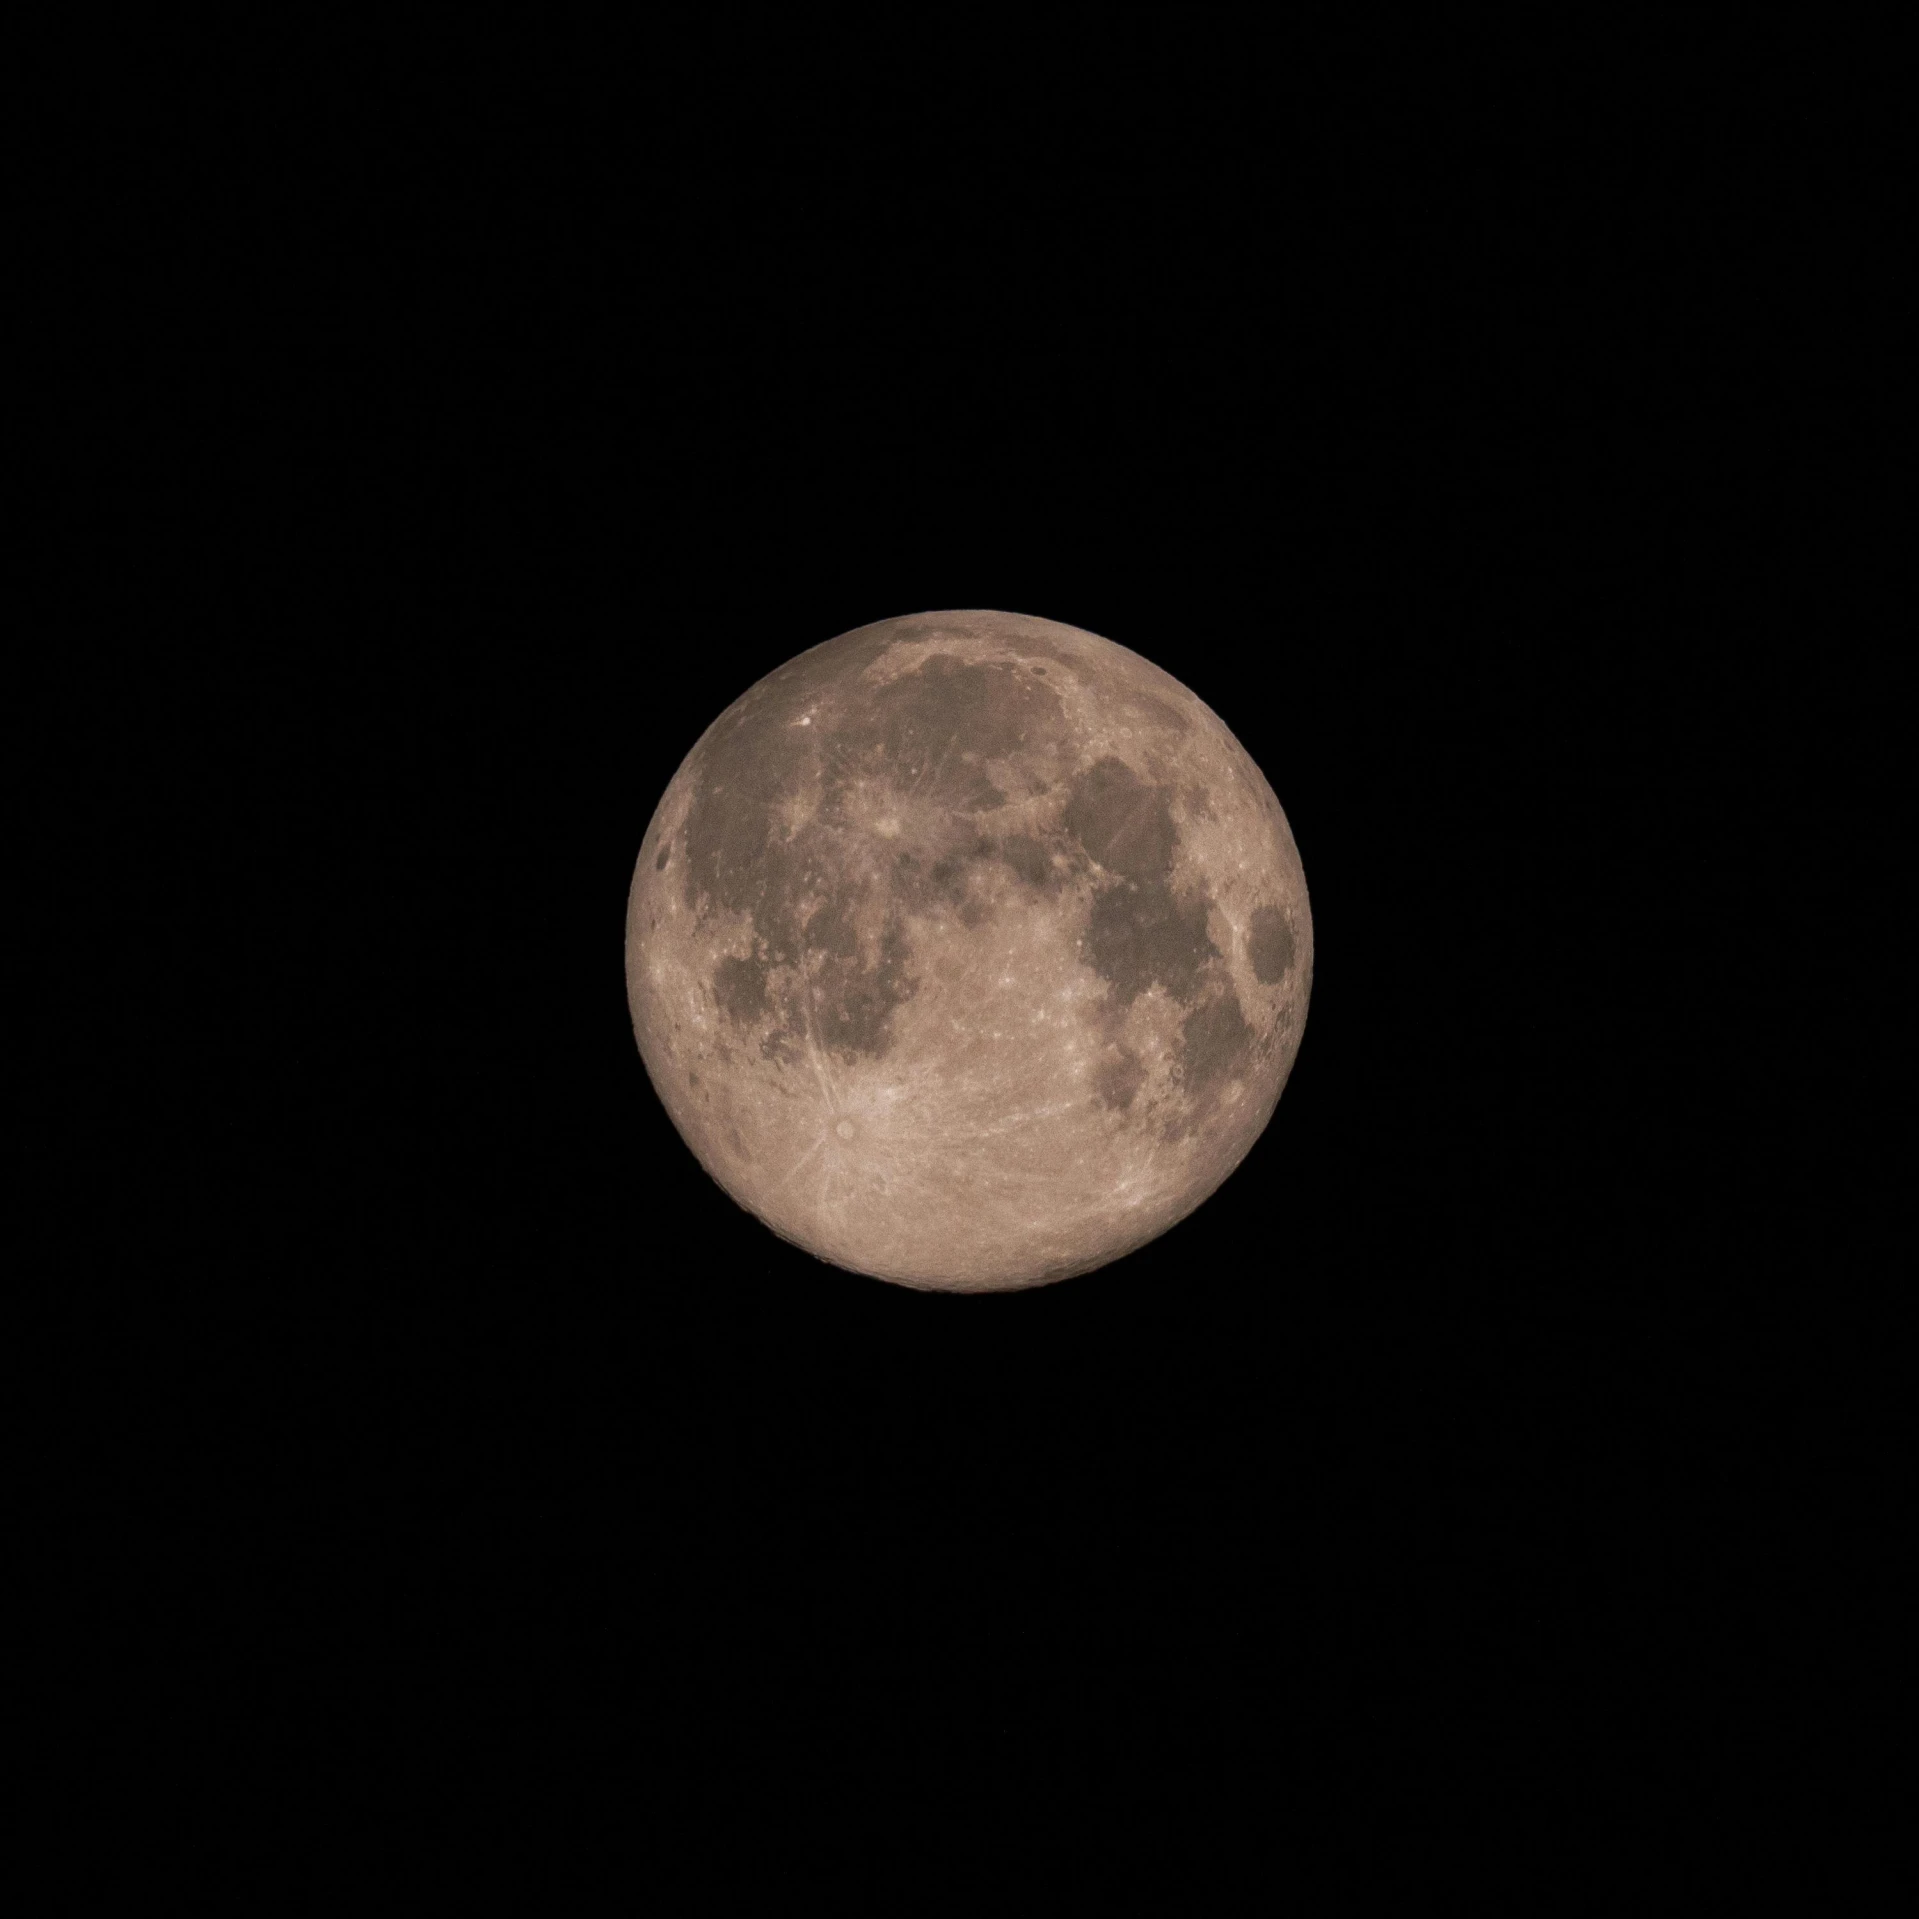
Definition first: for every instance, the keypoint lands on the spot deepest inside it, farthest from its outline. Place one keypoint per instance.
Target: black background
(1477, 428)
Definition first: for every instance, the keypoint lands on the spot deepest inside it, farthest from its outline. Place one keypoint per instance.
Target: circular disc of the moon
(969, 951)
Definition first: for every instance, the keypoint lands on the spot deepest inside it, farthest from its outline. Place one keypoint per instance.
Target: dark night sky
(1483, 439)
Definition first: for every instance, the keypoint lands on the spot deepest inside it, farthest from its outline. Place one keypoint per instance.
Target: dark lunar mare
(927, 736)
(928, 730)
(1215, 1043)
(1141, 933)
(1269, 945)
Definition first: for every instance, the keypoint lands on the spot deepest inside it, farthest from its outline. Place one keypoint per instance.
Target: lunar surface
(969, 951)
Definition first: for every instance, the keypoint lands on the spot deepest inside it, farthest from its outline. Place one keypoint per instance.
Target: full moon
(969, 951)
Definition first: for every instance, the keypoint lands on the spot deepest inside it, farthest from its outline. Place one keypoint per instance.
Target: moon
(969, 951)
